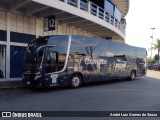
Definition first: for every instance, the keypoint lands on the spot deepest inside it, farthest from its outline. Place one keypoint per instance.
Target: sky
(142, 16)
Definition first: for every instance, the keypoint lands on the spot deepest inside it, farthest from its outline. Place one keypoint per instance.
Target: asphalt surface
(142, 94)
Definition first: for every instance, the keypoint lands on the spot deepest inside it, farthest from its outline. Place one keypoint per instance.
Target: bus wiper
(28, 50)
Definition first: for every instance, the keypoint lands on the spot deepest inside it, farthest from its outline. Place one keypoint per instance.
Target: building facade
(23, 20)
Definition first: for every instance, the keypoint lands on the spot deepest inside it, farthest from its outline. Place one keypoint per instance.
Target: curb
(11, 84)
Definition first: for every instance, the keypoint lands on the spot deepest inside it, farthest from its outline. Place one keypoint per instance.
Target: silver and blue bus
(71, 60)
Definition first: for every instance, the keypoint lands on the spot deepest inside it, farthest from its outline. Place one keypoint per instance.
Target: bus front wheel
(76, 81)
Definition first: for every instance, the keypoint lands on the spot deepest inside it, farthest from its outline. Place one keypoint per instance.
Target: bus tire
(76, 81)
(132, 75)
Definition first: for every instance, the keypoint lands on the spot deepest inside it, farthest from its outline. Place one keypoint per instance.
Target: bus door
(121, 66)
(54, 61)
(51, 61)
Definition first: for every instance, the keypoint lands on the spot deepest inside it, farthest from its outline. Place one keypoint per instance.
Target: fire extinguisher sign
(49, 23)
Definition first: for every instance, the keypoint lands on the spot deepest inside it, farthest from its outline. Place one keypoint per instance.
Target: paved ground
(142, 94)
(153, 74)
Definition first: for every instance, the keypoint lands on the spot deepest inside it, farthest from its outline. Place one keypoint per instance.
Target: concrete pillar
(104, 15)
(79, 4)
(114, 21)
(109, 18)
(8, 47)
(97, 11)
(89, 7)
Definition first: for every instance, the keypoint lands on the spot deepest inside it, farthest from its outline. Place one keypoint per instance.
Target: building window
(112, 9)
(117, 14)
(109, 6)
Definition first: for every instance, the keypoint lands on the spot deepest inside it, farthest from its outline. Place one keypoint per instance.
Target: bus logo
(95, 61)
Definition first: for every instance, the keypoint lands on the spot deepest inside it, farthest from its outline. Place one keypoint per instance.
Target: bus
(72, 60)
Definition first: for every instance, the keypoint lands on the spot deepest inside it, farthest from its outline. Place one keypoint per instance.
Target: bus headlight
(37, 77)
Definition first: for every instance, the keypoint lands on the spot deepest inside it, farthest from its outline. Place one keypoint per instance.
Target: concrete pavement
(153, 74)
(142, 94)
(11, 84)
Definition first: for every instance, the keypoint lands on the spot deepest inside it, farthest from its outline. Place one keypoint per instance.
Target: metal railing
(96, 11)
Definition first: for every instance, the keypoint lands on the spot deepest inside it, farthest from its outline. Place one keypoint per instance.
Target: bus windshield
(30, 64)
(51, 56)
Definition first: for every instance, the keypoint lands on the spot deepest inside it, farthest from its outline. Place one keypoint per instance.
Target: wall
(22, 24)
(16, 31)
(2, 20)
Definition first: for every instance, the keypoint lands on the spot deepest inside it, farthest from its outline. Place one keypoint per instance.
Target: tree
(156, 46)
(155, 58)
(149, 60)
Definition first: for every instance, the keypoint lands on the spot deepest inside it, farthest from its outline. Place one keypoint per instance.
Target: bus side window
(121, 59)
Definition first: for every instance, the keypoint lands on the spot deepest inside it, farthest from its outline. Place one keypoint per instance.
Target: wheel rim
(75, 81)
(132, 76)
